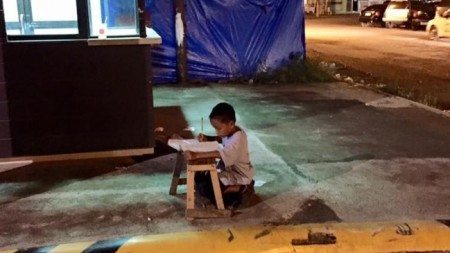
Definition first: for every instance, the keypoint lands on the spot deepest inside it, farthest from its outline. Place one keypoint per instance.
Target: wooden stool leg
(191, 212)
(176, 174)
(217, 191)
(190, 201)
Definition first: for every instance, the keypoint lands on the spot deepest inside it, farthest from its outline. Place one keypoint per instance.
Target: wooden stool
(193, 166)
(176, 180)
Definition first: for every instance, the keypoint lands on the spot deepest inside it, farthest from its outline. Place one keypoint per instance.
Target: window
(398, 5)
(59, 19)
(118, 16)
(40, 17)
(443, 11)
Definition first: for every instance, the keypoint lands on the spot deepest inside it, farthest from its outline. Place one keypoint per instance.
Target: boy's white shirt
(235, 155)
(233, 151)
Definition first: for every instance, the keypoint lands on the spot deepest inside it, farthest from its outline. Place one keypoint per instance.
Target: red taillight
(417, 13)
(377, 13)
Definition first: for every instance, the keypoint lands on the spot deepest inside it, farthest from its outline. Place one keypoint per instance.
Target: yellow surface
(71, 247)
(350, 237)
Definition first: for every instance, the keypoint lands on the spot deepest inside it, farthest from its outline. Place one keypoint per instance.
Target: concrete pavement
(322, 153)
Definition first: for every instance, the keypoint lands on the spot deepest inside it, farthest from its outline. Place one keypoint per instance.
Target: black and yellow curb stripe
(411, 236)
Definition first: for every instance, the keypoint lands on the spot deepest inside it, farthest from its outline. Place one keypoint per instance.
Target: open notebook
(193, 145)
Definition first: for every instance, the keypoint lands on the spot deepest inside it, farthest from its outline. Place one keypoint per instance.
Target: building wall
(5, 134)
(68, 97)
(339, 6)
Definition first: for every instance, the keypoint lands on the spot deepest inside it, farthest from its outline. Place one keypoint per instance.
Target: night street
(156, 126)
(407, 61)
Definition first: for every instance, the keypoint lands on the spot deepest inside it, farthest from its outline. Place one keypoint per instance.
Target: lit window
(40, 17)
(118, 16)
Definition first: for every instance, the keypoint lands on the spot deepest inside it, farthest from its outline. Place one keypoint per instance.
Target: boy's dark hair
(224, 112)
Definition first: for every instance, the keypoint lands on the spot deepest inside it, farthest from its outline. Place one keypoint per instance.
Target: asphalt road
(411, 65)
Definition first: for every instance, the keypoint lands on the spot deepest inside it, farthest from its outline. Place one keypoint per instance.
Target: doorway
(355, 5)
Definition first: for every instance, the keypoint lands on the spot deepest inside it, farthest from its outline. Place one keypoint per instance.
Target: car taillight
(417, 13)
(377, 13)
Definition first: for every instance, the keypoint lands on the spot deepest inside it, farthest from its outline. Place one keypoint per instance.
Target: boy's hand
(201, 137)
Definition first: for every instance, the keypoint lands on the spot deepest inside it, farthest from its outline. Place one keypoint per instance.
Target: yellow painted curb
(71, 247)
(413, 236)
(349, 237)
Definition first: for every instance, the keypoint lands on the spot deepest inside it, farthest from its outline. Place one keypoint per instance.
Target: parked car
(373, 15)
(421, 13)
(409, 13)
(440, 25)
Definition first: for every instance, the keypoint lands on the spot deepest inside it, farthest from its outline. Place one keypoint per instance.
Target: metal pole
(180, 30)
(142, 19)
(317, 8)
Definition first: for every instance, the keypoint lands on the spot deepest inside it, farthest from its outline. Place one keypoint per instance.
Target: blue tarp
(228, 39)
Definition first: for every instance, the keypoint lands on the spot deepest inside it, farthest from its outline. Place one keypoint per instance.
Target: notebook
(194, 145)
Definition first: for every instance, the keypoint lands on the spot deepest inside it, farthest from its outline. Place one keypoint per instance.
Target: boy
(235, 170)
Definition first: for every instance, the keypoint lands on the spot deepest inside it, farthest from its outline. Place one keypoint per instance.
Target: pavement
(323, 153)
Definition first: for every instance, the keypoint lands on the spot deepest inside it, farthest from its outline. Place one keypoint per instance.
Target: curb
(445, 113)
(427, 107)
(410, 236)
